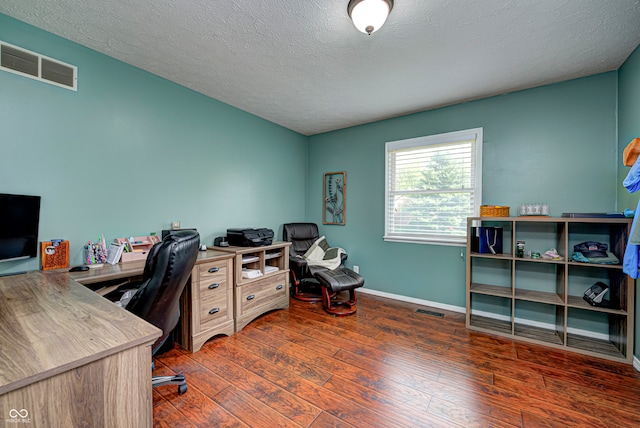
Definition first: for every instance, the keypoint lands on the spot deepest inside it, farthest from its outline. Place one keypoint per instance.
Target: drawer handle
(214, 311)
(279, 287)
(251, 296)
(214, 269)
(214, 286)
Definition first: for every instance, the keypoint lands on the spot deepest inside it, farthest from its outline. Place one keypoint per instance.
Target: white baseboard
(462, 310)
(413, 300)
(636, 363)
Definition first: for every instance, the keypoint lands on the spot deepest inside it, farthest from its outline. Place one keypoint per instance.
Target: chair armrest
(297, 263)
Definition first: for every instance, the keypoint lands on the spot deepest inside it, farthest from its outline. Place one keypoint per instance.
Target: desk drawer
(214, 310)
(214, 271)
(207, 302)
(213, 285)
(261, 292)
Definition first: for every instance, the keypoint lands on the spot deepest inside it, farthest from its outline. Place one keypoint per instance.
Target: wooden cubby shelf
(261, 280)
(541, 300)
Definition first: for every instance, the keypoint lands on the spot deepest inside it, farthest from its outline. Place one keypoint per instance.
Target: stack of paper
(269, 269)
(251, 273)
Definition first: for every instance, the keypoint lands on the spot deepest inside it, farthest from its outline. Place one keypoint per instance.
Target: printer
(248, 237)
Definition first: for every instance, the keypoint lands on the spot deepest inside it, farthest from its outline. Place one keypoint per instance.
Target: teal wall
(554, 144)
(629, 128)
(129, 152)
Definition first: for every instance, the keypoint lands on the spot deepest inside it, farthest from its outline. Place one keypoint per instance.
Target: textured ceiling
(303, 65)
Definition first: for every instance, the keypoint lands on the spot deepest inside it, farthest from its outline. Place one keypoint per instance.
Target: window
(432, 185)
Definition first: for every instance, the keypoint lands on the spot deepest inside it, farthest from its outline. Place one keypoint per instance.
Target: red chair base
(307, 291)
(334, 282)
(339, 308)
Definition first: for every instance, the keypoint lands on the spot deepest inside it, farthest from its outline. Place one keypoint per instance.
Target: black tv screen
(19, 219)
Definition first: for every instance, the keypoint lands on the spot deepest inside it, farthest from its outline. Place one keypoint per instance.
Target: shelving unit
(261, 280)
(540, 300)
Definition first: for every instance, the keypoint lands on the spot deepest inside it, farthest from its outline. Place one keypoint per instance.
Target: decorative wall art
(335, 198)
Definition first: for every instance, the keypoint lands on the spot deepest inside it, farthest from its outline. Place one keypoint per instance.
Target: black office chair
(304, 286)
(157, 301)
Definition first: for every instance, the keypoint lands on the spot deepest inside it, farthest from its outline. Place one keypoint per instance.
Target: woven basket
(494, 211)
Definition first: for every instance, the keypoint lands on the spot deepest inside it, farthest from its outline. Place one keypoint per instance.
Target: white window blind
(432, 185)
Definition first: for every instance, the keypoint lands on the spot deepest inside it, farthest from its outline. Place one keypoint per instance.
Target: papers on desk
(249, 259)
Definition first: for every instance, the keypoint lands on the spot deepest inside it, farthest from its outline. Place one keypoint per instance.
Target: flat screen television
(19, 220)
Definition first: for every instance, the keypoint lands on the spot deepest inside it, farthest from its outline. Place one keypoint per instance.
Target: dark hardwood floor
(388, 366)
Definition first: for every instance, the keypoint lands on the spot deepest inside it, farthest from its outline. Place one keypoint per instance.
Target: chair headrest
(182, 235)
(300, 231)
(179, 237)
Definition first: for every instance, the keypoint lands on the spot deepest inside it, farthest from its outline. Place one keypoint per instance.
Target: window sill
(458, 242)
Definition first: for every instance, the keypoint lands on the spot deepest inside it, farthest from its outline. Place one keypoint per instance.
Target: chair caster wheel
(182, 389)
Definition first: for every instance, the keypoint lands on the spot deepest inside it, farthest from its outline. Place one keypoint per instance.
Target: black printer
(248, 237)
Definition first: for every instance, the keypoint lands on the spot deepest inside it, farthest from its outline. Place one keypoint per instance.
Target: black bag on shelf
(486, 239)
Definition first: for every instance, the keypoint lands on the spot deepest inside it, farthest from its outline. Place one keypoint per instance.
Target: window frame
(430, 140)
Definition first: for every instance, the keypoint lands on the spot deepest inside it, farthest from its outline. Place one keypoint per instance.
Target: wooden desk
(216, 299)
(69, 358)
(207, 302)
(107, 272)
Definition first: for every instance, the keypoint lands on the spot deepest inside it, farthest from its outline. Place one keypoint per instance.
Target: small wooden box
(54, 255)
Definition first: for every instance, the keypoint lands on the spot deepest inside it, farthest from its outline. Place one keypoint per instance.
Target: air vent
(20, 61)
(432, 313)
(39, 67)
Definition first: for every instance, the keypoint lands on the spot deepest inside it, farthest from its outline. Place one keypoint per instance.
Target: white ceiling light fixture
(369, 15)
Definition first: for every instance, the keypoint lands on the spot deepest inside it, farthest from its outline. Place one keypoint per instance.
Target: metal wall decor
(334, 198)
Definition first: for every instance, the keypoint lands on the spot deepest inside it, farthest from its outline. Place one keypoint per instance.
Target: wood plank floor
(388, 366)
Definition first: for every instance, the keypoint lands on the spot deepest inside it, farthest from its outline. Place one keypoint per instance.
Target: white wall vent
(39, 67)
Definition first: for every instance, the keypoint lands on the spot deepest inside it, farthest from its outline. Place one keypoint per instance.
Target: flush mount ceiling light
(369, 15)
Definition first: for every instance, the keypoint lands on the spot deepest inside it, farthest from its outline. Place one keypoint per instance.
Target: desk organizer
(136, 248)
